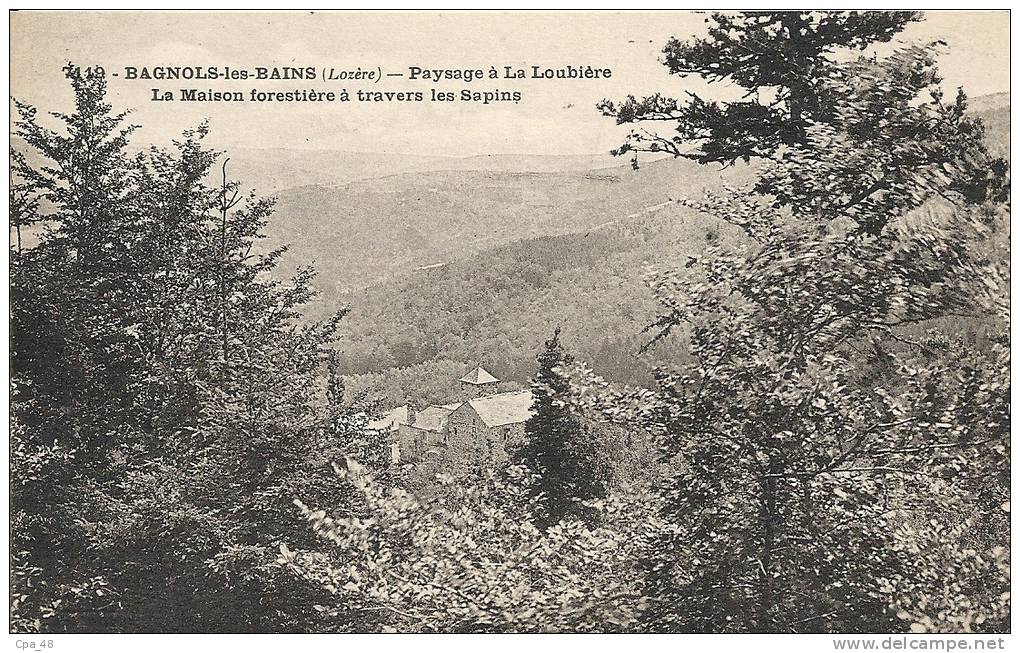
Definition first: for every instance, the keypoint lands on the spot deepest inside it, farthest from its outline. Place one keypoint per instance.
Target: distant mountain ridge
(368, 231)
(363, 218)
(273, 170)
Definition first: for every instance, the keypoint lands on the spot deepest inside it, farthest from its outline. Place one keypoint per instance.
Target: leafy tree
(474, 560)
(813, 429)
(892, 144)
(959, 589)
(565, 452)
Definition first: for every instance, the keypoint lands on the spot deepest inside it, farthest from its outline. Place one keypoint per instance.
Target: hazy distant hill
(270, 170)
(371, 230)
(994, 112)
(273, 170)
(990, 102)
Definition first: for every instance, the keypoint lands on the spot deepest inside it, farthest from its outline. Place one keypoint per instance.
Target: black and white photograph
(444, 322)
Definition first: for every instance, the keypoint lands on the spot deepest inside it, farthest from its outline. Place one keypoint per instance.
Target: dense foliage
(833, 427)
(826, 384)
(788, 66)
(167, 404)
(778, 59)
(474, 559)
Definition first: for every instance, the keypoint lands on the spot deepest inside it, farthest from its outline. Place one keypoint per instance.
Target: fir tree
(792, 68)
(777, 58)
(169, 404)
(560, 447)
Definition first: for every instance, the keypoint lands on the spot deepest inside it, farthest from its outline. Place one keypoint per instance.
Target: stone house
(463, 435)
(481, 431)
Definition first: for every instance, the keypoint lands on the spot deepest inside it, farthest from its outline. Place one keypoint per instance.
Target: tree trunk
(223, 262)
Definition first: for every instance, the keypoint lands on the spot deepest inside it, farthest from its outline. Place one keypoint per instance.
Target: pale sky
(553, 117)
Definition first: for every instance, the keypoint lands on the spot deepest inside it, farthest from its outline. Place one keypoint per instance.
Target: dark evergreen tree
(777, 57)
(168, 403)
(796, 75)
(560, 447)
(67, 307)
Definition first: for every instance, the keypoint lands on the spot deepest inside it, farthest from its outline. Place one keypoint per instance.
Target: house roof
(478, 376)
(433, 418)
(390, 420)
(504, 408)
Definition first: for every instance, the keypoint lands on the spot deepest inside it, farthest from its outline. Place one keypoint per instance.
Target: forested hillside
(407, 337)
(365, 232)
(497, 307)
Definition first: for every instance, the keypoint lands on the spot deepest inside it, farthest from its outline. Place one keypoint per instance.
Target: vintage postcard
(443, 322)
